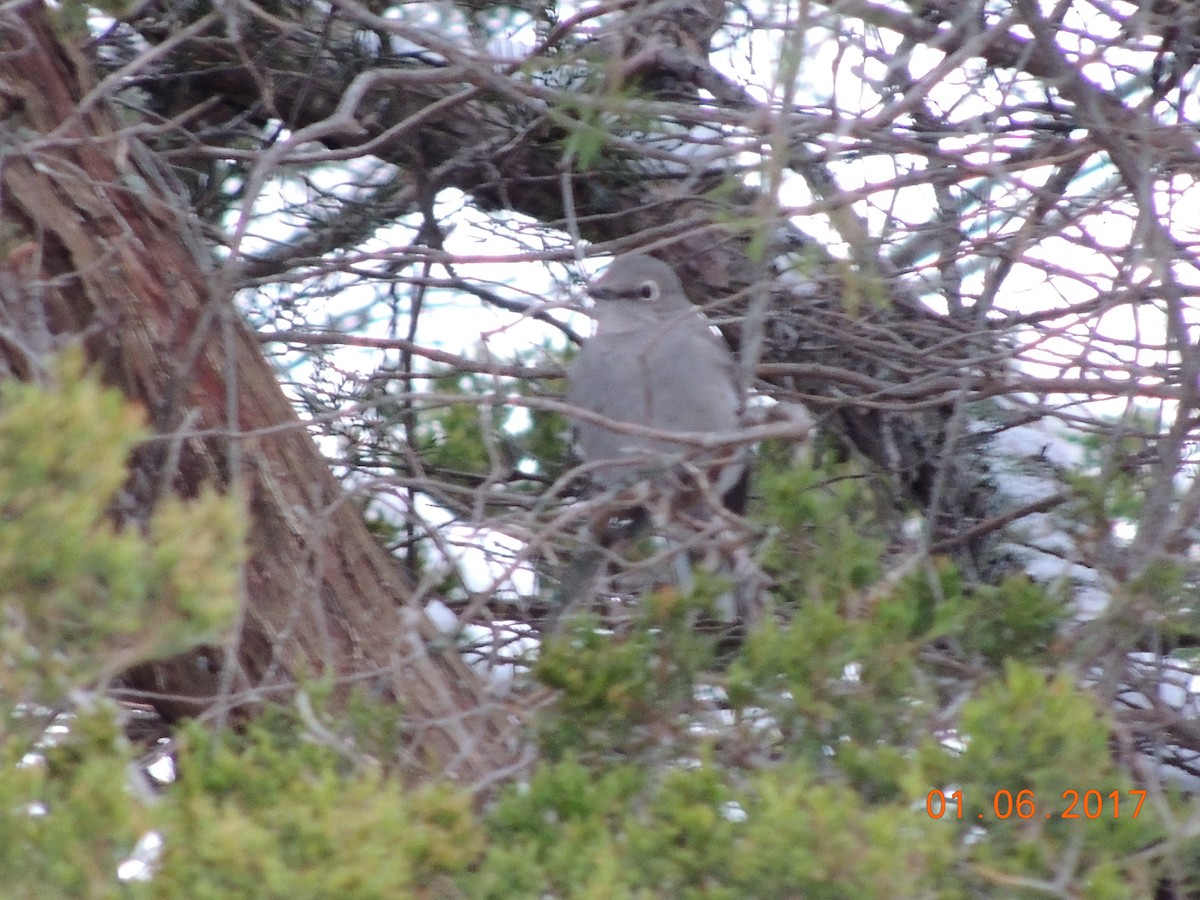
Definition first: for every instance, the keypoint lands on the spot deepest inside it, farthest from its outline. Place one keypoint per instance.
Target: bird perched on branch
(654, 363)
(654, 369)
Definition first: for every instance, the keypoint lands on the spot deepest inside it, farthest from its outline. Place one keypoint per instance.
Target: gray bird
(653, 361)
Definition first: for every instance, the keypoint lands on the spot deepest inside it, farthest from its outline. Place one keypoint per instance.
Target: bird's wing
(674, 379)
(695, 380)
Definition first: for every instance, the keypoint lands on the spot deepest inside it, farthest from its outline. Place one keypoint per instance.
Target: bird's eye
(648, 290)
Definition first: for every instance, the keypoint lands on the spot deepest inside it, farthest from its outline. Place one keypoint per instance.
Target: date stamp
(1023, 804)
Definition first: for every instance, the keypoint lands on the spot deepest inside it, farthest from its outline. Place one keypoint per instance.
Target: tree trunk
(107, 249)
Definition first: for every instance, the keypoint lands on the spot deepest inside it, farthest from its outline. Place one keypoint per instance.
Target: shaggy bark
(104, 248)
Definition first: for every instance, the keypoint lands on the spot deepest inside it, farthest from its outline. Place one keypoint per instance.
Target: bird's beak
(596, 292)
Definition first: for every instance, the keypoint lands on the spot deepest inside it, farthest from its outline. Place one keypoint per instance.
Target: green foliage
(66, 824)
(620, 693)
(1016, 619)
(835, 692)
(70, 19)
(452, 436)
(272, 813)
(839, 664)
(79, 596)
(826, 543)
(463, 439)
(587, 139)
(675, 764)
(1028, 732)
(1113, 477)
(699, 831)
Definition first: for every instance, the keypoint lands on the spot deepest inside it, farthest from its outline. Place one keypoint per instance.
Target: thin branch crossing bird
(654, 363)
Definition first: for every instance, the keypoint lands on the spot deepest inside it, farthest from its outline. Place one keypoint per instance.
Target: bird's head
(642, 280)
